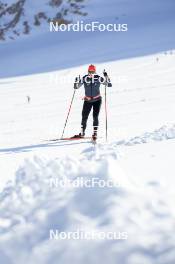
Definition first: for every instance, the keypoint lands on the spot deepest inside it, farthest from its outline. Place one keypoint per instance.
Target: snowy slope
(138, 159)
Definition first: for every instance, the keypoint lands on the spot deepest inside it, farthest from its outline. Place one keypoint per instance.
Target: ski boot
(80, 135)
(94, 137)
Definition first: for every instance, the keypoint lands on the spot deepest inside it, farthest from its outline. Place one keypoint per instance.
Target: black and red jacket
(92, 85)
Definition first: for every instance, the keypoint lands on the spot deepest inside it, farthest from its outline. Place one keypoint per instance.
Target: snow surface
(138, 158)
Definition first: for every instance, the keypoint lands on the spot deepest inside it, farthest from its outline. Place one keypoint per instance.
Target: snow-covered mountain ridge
(18, 17)
(150, 30)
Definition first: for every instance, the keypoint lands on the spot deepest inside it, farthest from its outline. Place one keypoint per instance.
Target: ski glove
(76, 83)
(105, 73)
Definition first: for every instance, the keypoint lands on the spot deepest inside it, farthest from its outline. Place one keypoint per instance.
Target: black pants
(87, 106)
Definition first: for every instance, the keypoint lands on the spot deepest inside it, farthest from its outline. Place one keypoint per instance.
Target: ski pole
(106, 113)
(68, 113)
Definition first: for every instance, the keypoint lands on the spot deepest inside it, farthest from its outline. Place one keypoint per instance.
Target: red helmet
(91, 68)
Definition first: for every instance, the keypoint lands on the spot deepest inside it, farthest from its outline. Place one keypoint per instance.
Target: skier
(28, 99)
(92, 99)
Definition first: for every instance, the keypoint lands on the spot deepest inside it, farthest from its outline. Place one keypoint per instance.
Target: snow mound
(34, 205)
(163, 133)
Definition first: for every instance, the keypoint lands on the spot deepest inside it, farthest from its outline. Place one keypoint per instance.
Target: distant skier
(92, 99)
(28, 99)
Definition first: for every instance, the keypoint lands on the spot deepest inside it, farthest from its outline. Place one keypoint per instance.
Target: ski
(75, 138)
(69, 138)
